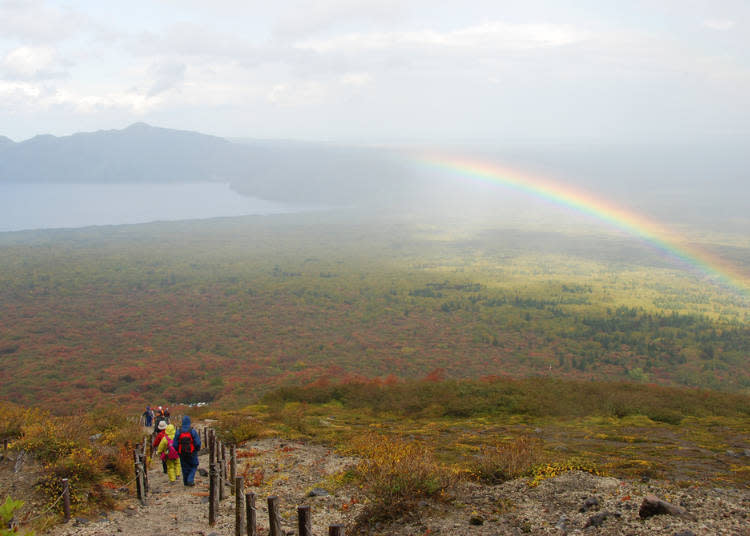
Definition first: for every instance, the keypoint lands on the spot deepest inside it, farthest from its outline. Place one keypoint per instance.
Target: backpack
(172, 454)
(185, 443)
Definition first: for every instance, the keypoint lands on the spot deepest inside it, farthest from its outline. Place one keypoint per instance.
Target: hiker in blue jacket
(188, 443)
(148, 416)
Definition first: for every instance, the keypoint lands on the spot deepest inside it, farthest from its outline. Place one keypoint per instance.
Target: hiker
(169, 456)
(159, 419)
(162, 426)
(167, 415)
(188, 444)
(148, 416)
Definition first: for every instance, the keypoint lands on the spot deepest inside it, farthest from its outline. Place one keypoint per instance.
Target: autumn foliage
(395, 474)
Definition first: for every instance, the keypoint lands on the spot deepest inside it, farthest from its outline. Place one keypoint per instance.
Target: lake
(49, 206)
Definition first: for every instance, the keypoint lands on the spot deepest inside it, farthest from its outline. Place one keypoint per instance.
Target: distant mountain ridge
(708, 186)
(141, 153)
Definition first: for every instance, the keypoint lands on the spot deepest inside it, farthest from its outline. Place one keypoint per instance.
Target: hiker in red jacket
(162, 426)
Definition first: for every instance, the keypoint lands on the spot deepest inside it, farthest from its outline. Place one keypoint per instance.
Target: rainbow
(638, 225)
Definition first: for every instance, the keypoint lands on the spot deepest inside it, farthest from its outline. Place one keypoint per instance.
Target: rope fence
(46, 510)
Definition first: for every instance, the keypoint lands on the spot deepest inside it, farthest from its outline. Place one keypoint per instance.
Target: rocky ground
(299, 473)
(581, 503)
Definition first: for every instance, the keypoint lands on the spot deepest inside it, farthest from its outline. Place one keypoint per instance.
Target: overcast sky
(380, 70)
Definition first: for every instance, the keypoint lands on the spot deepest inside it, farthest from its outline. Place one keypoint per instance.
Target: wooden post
(304, 522)
(239, 512)
(212, 498)
(5, 446)
(216, 488)
(336, 530)
(220, 451)
(144, 475)
(232, 464)
(66, 499)
(138, 478)
(252, 514)
(274, 518)
(224, 462)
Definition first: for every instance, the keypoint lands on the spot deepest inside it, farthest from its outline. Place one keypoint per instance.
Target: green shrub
(7, 510)
(235, 429)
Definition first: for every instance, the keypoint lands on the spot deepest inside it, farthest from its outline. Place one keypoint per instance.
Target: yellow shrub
(394, 473)
(52, 437)
(551, 470)
(13, 418)
(506, 461)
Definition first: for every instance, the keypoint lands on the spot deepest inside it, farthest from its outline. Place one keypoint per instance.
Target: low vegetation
(534, 397)
(93, 451)
(502, 461)
(395, 474)
(228, 310)
(500, 428)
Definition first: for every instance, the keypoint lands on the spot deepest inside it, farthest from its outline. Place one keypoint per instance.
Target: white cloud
(14, 94)
(34, 21)
(31, 63)
(489, 35)
(420, 67)
(297, 94)
(355, 79)
(166, 75)
(18, 96)
(130, 101)
(721, 25)
(305, 18)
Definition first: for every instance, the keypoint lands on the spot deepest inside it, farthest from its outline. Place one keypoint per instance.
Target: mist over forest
(706, 185)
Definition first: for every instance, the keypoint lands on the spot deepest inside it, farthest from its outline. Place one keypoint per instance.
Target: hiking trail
(287, 469)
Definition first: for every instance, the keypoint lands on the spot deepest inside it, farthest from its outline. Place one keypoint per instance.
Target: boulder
(588, 504)
(597, 520)
(654, 506)
(317, 492)
(476, 520)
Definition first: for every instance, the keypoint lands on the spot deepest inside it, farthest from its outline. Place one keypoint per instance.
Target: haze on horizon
(381, 71)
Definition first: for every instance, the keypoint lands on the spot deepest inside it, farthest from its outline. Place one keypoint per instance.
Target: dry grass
(506, 461)
(235, 429)
(395, 474)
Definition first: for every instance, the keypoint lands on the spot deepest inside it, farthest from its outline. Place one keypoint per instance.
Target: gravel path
(290, 470)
